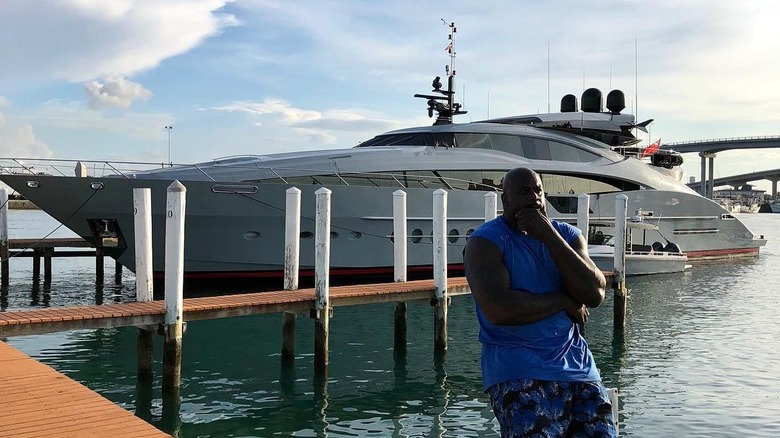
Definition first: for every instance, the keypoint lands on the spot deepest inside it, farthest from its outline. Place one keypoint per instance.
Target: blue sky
(99, 79)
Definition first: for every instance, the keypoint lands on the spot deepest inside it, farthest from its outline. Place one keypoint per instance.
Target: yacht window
(477, 141)
(437, 139)
(536, 149)
(573, 185)
(565, 152)
(483, 180)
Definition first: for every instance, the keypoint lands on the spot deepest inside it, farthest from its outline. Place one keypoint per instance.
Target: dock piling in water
(440, 269)
(619, 284)
(4, 237)
(399, 266)
(321, 281)
(174, 294)
(292, 231)
(144, 284)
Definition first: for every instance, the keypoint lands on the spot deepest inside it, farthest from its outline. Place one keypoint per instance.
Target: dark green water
(697, 359)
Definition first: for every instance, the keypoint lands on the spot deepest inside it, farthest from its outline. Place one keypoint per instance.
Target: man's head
(522, 188)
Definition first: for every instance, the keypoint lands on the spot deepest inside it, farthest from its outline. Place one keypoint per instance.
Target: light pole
(169, 128)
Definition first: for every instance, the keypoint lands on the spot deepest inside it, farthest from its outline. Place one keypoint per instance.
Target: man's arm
(580, 277)
(489, 282)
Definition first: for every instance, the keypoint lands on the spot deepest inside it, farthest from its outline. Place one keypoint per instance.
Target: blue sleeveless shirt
(551, 349)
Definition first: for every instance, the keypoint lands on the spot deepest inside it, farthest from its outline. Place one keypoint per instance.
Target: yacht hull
(242, 234)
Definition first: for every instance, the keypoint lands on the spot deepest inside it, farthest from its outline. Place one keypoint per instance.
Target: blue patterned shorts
(538, 408)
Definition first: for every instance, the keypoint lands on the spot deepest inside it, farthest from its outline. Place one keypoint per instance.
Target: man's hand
(579, 314)
(533, 222)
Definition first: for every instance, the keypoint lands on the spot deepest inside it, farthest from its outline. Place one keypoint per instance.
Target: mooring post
(583, 214)
(292, 231)
(99, 264)
(4, 264)
(399, 265)
(117, 273)
(321, 281)
(440, 270)
(47, 255)
(144, 284)
(174, 295)
(491, 206)
(619, 285)
(36, 264)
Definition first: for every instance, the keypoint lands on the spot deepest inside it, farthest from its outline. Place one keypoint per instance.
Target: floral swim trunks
(538, 408)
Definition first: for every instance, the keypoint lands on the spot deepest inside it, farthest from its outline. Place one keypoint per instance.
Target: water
(697, 358)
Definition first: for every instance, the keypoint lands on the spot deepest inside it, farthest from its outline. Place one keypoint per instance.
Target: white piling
(174, 253)
(292, 244)
(399, 235)
(174, 288)
(440, 268)
(144, 281)
(400, 245)
(4, 253)
(142, 217)
(491, 206)
(321, 280)
(583, 214)
(619, 286)
(292, 231)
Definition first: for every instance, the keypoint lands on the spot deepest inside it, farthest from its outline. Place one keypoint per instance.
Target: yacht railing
(64, 167)
(431, 179)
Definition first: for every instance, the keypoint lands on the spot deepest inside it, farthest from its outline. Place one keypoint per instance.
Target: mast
(443, 103)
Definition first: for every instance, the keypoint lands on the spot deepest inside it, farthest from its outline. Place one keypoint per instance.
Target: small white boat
(641, 259)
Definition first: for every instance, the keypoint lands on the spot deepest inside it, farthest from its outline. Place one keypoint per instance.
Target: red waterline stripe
(720, 252)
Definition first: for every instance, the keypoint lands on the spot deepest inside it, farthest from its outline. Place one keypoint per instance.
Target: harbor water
(698, 357)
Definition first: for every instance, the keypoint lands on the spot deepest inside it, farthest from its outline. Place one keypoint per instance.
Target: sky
(101, 79)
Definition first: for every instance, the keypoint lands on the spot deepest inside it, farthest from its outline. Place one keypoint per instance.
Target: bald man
(533, 283)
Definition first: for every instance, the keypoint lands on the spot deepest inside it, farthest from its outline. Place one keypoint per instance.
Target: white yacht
(235, 206)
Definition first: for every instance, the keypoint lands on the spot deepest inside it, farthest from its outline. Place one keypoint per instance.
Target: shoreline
(21, 204)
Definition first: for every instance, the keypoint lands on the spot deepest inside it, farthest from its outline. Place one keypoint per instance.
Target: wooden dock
(38, 401)
(49, 248)
(37, 321)
(74, 410)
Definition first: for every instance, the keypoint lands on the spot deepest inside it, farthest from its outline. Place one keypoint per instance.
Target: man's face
(523, 190)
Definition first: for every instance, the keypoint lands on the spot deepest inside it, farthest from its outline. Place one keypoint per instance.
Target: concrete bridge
(708, 149)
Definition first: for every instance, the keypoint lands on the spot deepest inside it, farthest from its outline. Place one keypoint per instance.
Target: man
(533, 282)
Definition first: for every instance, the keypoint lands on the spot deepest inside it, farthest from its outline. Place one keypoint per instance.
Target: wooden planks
(38, 401)
(37, 321)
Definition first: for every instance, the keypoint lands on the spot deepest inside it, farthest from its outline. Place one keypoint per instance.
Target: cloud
(319, 128)
(114, 92)
(86, 39)
(18, 140)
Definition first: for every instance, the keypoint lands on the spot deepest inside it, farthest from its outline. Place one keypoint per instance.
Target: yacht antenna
(443, 103)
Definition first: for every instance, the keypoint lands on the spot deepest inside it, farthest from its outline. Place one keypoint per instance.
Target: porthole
(392, 237)
(252, 235)
(354, 235)
(306, 235)
(417, 235)
(468, 233)
(454, 235)
(334, 235)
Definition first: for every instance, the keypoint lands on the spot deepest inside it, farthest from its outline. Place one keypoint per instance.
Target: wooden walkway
(28, 322)
(37, 401)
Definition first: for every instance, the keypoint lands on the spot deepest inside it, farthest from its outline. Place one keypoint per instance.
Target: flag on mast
(650, 150)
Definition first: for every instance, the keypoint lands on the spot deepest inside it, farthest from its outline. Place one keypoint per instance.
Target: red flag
(448, 48)
(650, 150)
